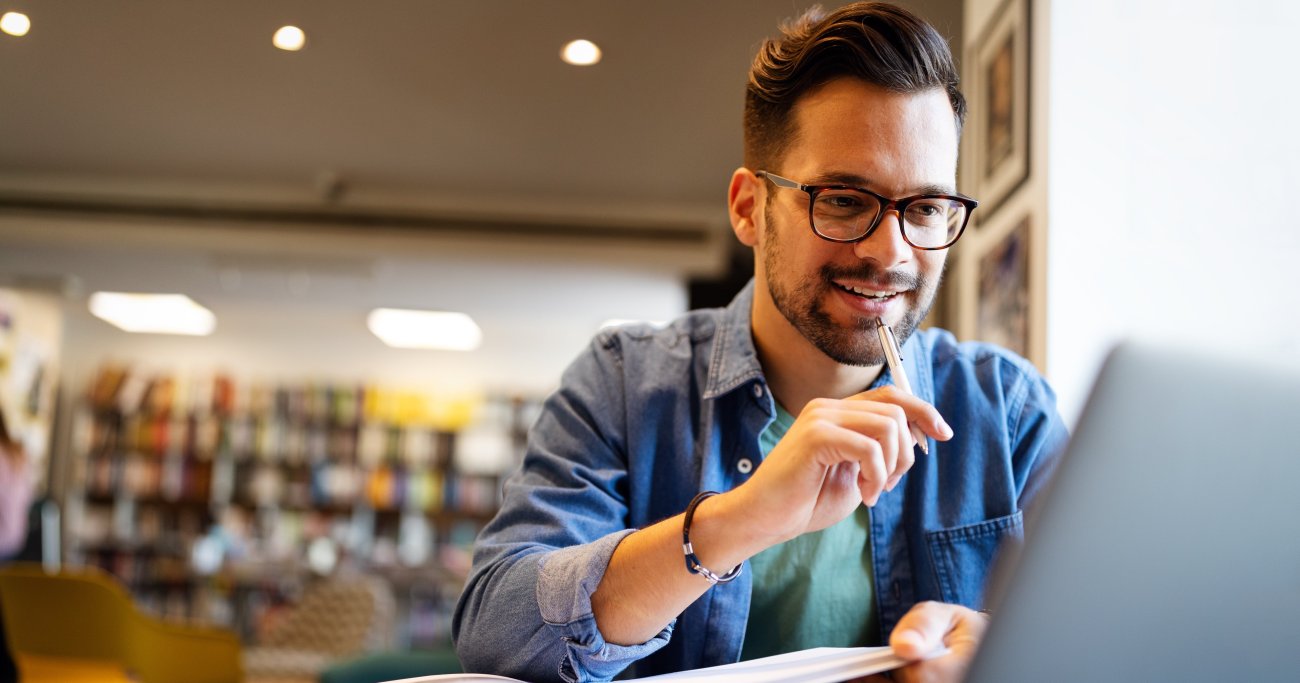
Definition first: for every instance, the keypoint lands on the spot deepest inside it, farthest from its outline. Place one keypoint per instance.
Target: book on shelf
(817, 665)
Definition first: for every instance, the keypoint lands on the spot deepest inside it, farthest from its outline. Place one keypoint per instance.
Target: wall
(1168, 134)
(1171, 181)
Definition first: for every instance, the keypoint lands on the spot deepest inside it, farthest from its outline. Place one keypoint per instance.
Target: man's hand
(929, 626)
(838, 454)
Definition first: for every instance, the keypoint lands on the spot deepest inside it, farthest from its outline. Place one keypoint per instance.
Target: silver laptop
(1167, 547)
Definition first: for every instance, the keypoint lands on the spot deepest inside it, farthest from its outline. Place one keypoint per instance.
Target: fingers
(873, 435)
(874, 430)
(922, 630)
(919, 412)
(929, 626)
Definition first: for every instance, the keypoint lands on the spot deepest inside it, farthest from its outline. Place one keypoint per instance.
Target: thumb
(922, 630)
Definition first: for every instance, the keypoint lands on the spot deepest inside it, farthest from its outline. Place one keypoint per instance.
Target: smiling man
(744, 482)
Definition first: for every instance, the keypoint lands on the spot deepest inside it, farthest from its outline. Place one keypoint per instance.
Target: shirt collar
(734, 362)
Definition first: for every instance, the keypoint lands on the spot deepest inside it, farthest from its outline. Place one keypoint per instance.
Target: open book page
(818, 665)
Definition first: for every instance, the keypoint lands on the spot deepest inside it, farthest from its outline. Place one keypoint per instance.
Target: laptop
(1167, 547)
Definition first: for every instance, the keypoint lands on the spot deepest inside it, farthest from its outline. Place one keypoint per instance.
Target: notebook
(1167, 547)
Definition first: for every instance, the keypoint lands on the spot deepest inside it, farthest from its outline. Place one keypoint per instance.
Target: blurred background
(1133, 160)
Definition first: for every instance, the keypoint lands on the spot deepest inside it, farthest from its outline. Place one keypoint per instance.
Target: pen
(895, 359)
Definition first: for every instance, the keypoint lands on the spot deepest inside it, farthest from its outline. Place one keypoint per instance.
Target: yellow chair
(82, 619)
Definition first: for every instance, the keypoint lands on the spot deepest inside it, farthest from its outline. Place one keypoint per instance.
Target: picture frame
(997, 92)
(1005, 303)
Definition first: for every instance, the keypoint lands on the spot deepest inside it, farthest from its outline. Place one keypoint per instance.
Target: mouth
(868, 293)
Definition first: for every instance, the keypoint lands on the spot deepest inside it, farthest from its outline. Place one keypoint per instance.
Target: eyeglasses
(841, 213)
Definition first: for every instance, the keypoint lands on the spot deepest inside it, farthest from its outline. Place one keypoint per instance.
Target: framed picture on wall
(1004, 303)
(997, 91)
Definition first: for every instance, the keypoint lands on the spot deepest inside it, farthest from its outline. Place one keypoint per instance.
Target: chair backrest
(82, 614)
(335, 617)
(85, 613)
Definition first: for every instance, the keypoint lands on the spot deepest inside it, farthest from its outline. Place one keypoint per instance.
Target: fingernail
(945, 430)
(893, 481)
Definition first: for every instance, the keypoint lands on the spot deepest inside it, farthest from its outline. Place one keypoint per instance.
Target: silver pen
(895, 359)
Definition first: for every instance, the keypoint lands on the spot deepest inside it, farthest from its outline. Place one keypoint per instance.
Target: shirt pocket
(962, 556)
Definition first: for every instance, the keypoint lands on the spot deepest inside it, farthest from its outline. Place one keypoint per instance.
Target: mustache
(876, 276)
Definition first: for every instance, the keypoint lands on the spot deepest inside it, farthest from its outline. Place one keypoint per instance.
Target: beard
(802, 304)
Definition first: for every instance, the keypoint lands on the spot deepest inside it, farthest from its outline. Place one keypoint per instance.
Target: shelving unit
(214, 501)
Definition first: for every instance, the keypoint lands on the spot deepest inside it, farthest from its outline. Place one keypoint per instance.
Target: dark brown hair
(879, 43)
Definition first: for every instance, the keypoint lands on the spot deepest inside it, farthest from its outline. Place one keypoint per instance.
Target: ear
(745, 200)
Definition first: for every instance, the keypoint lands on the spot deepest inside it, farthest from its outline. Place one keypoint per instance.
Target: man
(828, 528)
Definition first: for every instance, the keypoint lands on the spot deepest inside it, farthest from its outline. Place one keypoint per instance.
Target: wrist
(723, 532)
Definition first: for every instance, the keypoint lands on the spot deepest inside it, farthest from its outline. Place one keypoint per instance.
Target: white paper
(818, 665)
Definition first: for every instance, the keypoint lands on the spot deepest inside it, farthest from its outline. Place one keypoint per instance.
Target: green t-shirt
(814, 590)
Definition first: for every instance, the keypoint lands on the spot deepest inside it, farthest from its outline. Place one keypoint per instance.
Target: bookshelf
(214, 500)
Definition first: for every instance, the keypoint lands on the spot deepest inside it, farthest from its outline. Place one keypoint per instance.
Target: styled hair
(876, 42)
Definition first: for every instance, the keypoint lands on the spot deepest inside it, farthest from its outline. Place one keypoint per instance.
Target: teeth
(874, 294)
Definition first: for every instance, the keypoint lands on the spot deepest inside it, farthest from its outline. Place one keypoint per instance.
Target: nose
(885, 245)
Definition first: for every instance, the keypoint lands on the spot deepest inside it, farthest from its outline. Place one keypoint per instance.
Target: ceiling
(462, 100)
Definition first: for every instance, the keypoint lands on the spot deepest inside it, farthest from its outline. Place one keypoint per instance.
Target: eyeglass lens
(848, 214)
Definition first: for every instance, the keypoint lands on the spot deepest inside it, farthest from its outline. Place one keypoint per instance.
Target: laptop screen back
(1168, 545)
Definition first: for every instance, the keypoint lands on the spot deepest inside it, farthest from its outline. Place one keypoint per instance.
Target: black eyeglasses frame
(886, 205)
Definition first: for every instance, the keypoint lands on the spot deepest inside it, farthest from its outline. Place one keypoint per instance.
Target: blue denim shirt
(646, 418)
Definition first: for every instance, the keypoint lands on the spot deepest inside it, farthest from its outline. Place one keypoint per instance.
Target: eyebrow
(837, 178)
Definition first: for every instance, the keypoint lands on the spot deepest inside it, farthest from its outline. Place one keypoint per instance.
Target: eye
(840, 201)
(927, 211)
(844, 203)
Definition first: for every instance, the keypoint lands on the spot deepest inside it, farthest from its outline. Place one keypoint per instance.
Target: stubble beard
(802, 305)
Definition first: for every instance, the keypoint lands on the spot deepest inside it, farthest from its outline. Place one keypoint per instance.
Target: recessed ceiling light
(580, 53)
(412, 329)
(15, 24)
(153, 313)
(289, 38)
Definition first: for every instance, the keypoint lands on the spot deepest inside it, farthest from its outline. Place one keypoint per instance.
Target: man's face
(853, 133)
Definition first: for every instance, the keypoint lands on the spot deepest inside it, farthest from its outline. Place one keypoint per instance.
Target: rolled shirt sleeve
(526, 608)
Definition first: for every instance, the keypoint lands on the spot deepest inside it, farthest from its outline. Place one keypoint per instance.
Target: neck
(796, 370)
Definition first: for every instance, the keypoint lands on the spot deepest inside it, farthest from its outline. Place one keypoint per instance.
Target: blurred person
(15, 496)
(774, 423)
(15, 492)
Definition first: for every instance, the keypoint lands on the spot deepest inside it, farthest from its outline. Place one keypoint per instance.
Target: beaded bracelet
(692, 562)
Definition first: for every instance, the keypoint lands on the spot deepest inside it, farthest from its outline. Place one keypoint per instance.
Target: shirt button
(758, 391)
(744, 466)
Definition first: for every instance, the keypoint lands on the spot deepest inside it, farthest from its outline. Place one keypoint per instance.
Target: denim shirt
(646, 418)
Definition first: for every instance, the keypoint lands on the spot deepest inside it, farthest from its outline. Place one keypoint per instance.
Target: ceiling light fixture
(15, 24)
(617, 322)
(290, 38)
(153, 313)
(413, 329)
(580, 53)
